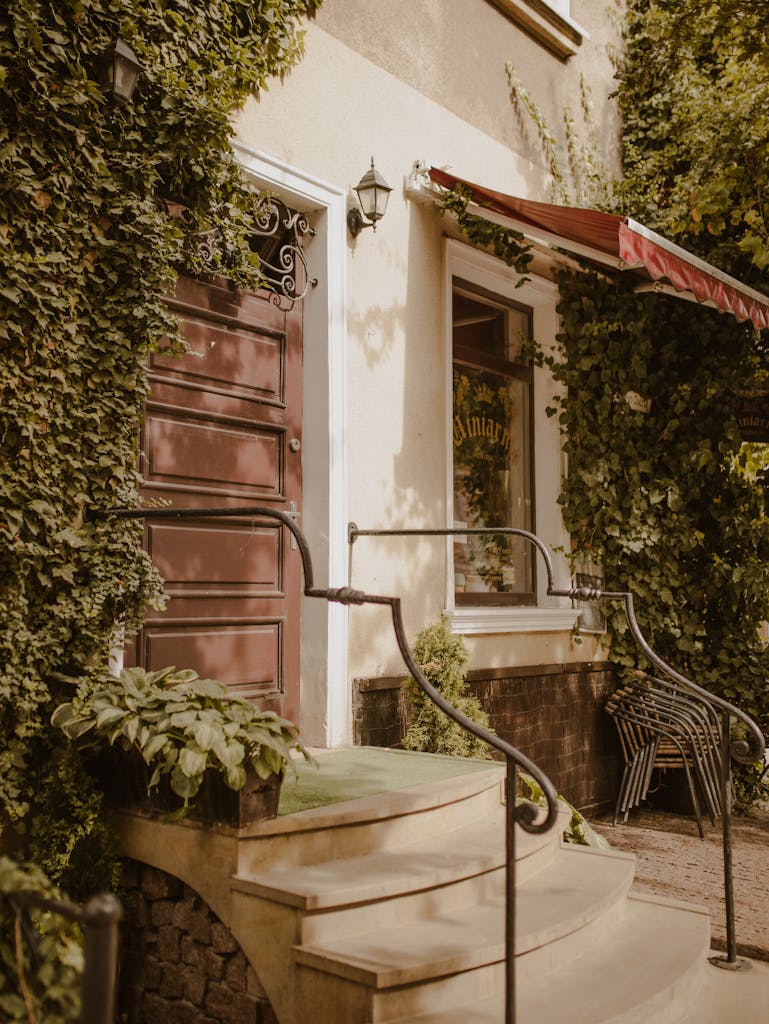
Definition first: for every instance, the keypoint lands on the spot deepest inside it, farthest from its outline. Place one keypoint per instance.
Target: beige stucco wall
(399, 81)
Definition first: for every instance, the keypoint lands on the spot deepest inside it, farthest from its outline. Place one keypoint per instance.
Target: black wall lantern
(119, 71)
(373, 193)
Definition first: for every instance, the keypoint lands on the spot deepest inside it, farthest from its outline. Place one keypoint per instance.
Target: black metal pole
(731, 962)
(101, 916)
(511, 788)
(726, 821)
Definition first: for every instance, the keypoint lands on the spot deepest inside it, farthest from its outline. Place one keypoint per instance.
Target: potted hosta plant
(173, 743)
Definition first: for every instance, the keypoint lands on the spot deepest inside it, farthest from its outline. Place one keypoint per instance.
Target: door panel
(203, 455)
(216, 432)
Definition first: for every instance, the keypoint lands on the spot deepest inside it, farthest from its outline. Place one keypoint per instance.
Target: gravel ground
(673, 861)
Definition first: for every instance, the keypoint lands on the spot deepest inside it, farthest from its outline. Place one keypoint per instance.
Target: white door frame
(325, 689)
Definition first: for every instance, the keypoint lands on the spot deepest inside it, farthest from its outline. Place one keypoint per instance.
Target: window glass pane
(494, 330)
(492, 451)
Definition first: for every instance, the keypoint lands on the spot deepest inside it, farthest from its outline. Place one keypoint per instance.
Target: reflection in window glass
(491, 447)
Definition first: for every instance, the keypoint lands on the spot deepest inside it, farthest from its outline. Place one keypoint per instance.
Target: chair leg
(620, 793)
(695, 801)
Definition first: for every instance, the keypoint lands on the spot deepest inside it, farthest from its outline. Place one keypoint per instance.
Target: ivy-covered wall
(663, 498)
(661, 490)
(91, 240)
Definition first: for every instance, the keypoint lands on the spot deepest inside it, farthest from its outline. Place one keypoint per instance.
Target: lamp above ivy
(118, 70)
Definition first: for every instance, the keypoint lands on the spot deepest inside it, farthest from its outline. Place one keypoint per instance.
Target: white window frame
(546, 21)
(541, 295)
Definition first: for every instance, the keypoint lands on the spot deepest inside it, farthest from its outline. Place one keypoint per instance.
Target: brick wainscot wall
(552, 713)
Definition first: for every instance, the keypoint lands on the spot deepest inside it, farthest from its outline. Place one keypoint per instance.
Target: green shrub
(44, 988)
(443, 658)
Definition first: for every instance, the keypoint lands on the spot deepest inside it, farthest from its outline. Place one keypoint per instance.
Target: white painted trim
(547, 23)
(326, 692)
(541, 295)
(474, 621)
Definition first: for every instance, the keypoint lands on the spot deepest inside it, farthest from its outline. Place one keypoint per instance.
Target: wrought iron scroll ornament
(275, 234)
(276, 237)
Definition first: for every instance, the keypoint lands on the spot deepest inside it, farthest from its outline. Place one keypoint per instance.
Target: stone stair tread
(424, 864)
(646, 971)
(461, 853)
(575, 888)
(422, 797)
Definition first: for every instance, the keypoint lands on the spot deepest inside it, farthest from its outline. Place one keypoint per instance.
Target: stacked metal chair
(661, 727)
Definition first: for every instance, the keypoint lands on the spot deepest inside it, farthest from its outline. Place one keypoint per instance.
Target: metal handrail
(100, 917)
(745, 750)
(526, 814)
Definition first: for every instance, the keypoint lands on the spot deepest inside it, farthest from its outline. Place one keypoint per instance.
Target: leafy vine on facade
(669, 501)
(92, 240)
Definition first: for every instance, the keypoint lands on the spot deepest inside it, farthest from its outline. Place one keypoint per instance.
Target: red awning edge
(641, 247)
(620, 243)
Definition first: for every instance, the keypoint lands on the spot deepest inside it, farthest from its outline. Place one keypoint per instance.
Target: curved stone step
(383, 821)
(649, 971)
(388, 887)
(390, 972)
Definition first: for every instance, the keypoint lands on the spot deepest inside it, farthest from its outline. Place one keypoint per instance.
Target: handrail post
(730, 962)
(726, 828)
(100, 916)
(511, 788)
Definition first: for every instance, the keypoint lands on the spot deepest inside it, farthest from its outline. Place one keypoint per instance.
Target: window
(503, 452)
(492, 447)
(547, 21)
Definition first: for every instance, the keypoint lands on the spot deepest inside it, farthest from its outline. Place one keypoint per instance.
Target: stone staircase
(390, 909)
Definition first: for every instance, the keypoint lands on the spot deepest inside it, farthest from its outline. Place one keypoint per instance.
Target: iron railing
(747, 749)
(100, 918)
(528, 816)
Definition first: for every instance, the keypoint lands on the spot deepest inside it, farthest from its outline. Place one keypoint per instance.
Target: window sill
(512, 620)
(554, 31)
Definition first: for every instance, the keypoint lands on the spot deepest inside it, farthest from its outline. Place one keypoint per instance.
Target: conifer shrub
(443, 657)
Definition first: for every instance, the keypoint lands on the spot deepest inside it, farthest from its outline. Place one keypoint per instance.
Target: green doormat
(354, 772)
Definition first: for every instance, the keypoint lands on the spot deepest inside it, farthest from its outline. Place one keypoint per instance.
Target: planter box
(124, 776)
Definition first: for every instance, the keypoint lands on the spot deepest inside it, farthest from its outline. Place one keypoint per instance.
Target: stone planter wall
(124, 777)
(180, 963)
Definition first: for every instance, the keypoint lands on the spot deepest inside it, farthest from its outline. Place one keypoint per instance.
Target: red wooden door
(223, 428)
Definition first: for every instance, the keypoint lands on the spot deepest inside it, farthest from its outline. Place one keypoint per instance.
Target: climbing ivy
(668, 500)
(653, 496)
(694, 98)
(100, 205)
(506, 243)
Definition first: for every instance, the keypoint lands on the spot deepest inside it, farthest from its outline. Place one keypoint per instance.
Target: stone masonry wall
(552, 713)
(180, 964)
